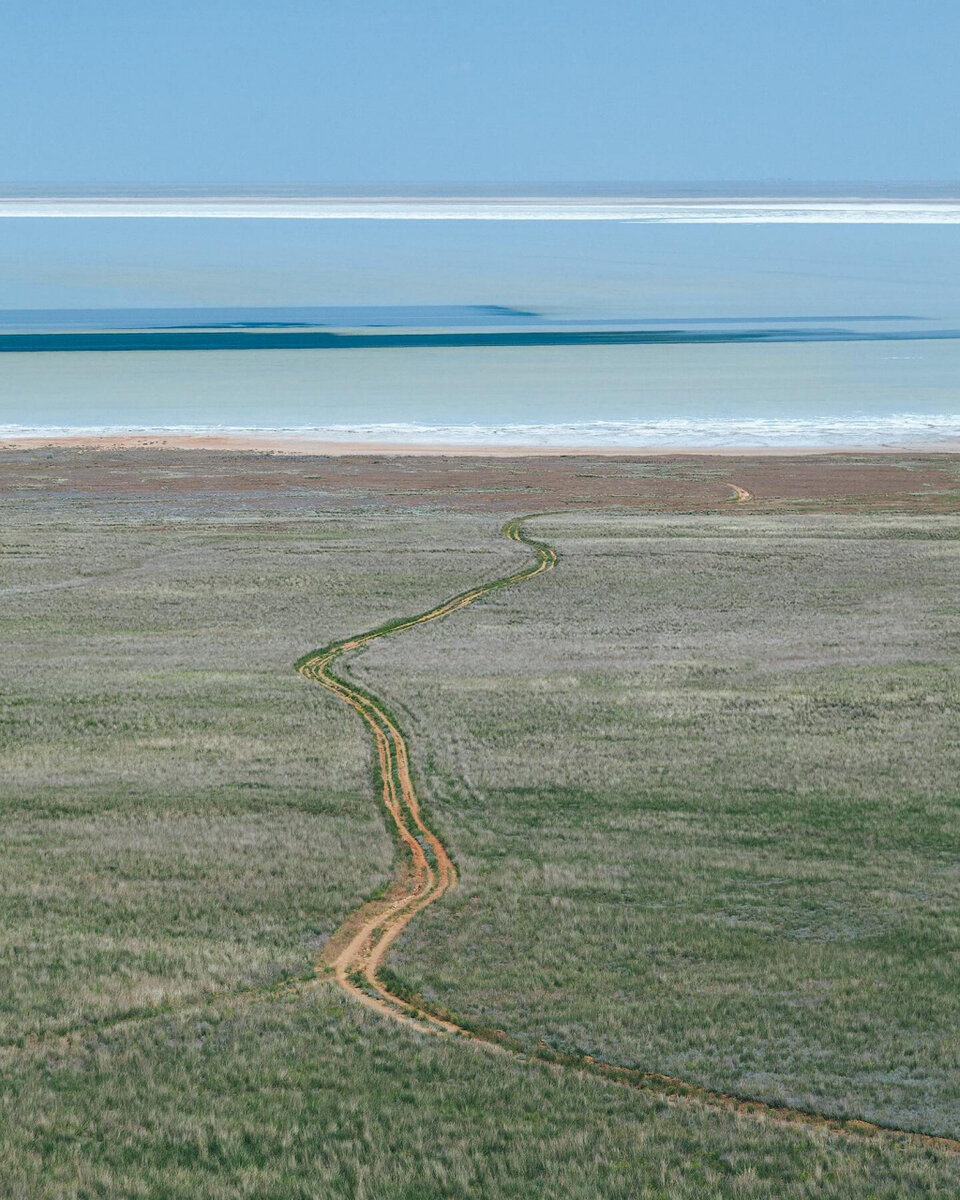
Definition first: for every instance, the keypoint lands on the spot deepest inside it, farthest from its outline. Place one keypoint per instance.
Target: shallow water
(722, 395)
(809, 281)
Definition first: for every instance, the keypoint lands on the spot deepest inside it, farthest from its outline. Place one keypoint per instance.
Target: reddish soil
(663, 483)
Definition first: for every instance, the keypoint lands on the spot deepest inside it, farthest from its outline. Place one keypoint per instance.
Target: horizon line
(660, 203)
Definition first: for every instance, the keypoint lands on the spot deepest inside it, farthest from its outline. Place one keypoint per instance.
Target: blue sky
(283, 91)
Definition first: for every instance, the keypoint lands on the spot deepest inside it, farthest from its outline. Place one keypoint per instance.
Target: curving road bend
(356, 952)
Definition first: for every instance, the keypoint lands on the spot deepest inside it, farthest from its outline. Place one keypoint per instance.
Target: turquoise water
(808, 284)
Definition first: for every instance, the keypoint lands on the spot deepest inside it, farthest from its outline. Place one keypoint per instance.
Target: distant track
(356, 952)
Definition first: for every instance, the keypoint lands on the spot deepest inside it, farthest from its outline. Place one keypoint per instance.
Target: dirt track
(357, 951)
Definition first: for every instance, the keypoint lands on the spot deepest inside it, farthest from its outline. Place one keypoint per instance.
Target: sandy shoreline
(268, 443)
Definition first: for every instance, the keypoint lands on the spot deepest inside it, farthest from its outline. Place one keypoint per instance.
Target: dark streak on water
(299, 339)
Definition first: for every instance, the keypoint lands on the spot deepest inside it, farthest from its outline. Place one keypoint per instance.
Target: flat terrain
(908, 482)
(714, 829)
(699, 782)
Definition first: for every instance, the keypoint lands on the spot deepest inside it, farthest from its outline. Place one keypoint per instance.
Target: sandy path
(357, 950)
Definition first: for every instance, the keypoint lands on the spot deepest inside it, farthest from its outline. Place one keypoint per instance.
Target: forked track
(357, 951)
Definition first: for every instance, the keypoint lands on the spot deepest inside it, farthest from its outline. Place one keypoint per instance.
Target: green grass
(182, 814)
(311, 1096)
(699, 781)
(702, 784)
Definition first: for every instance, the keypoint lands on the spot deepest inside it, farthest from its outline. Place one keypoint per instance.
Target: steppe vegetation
(179, 817)
(308, 1096)
(699, 782)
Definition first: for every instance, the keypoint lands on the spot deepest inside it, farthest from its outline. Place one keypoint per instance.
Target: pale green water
(856, 393)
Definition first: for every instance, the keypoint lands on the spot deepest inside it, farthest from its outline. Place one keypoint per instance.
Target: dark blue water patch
(319, 339)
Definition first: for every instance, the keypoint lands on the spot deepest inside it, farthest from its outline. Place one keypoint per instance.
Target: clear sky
(313, 91)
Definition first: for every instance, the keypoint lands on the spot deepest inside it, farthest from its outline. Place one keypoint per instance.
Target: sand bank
(279, 444)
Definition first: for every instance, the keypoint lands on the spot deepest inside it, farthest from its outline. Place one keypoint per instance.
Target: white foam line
(899, 428)
(664, 212)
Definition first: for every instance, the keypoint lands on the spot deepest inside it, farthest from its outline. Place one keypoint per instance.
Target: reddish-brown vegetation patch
(672, 483)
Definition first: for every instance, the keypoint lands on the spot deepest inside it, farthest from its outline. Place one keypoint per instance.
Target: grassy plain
(702, 784)
(180, 813)
(699, 781)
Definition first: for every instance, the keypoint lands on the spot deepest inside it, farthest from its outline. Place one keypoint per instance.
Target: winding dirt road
(356, 952)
